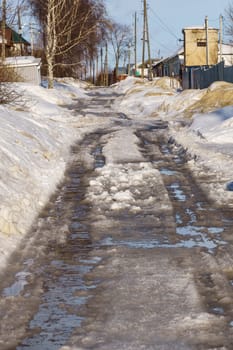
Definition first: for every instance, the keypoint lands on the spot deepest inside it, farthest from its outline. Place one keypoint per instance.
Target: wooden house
(15, 44)
(200, 46)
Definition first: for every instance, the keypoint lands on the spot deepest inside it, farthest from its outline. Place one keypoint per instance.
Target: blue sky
(166, 19)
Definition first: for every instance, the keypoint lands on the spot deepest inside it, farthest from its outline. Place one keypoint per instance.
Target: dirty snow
(36, 135)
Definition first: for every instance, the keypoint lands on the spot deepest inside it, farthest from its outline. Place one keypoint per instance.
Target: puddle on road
(165, 149)
(63, 272)
(57, 316)
(168, 172)
(65, 291)
(99, 159)
(18, 286)
(195, 236)
(192, 229)
(201, 236)
(177, 192)
(217, 310)
(190, 213)
(193, 242)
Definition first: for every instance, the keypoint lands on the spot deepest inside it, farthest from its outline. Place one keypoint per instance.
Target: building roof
(179, 53)
(198, 28)
(18, 39)
(13, 37)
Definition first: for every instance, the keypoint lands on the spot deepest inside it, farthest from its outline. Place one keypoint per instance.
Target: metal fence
(228, 74)
(201, 78)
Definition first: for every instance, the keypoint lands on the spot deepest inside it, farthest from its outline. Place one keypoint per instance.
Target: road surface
(129, 253)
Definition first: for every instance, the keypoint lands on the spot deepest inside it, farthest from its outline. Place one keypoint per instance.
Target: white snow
(23, 60)
(35, 138)
(207, 136)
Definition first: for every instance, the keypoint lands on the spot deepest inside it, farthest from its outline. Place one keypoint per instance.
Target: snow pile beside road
(197, 123)
(218, 95)
(210, 139)
(143, 98)
(213, 126)
(35, 139)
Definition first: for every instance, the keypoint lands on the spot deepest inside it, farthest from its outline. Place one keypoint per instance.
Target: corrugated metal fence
(201, 78)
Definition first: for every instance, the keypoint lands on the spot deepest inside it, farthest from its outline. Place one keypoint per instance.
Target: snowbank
(199, 120)
(35, 138)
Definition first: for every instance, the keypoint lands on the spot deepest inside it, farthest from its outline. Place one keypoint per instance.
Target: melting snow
(35, 138)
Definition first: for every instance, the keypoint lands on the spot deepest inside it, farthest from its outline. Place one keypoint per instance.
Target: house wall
(226, 54)
(195, 46)
(174, 66)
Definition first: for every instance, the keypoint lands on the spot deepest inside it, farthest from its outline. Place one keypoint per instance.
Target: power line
(165, 26)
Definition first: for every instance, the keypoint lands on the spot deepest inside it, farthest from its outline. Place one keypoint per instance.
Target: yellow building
(200, 46)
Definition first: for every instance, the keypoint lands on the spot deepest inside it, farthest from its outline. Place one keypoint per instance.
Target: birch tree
(229, 19)
(120, 37)
(3, 29)
(66, 24)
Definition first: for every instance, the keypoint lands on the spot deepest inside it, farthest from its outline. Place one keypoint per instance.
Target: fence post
(221, 71)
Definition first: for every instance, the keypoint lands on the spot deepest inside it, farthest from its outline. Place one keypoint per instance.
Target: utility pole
(106, 66)
(3, 30)
(135, 43)
(207, 40)
(144, 36)
(148, 47)
(146, 40)
(220, 35)
(129, 57)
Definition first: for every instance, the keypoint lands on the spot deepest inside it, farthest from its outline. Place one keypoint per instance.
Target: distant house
(200, 49)
(170, 66)
(225, 54)
(15, 44)
(200, 46)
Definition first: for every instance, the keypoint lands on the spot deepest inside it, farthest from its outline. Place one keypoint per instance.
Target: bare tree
(66, 24)
(10, 8)
(229, 19)
(3, 28)
(120, 38)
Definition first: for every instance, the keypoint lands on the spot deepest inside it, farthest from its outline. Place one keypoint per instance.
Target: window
(201, 43)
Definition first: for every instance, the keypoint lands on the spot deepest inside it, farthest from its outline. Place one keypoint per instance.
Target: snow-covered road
(129, 253)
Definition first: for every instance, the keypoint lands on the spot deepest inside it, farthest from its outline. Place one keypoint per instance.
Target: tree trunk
(50, 72)
(117, 68)
(3, 30)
